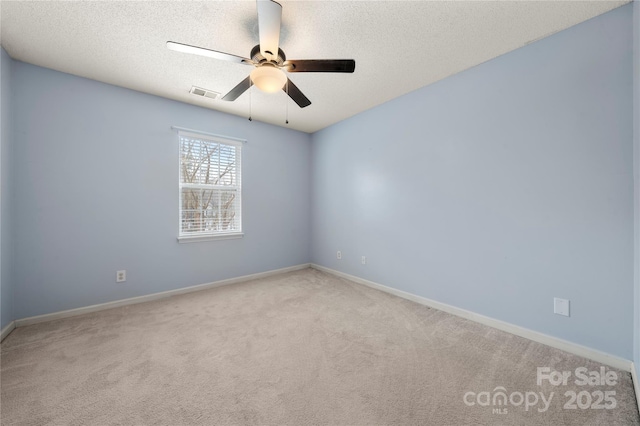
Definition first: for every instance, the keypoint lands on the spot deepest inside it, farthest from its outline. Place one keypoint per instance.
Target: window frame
(218, 139)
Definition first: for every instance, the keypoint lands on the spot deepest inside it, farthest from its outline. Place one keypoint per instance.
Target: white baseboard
(574, 348)
(636, 384)
(8, 329)
(149, 297)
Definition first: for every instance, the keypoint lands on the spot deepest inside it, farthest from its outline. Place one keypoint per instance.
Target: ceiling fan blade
(295, 94)
(320, 65)
(185, 48)
(238, 90)
(269, 19)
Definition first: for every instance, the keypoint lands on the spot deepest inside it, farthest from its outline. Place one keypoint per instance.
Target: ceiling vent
(199, 91)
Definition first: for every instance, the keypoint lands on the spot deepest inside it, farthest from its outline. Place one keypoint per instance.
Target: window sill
(203, 238)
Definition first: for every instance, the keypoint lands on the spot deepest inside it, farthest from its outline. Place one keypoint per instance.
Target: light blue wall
(6, 232)
(498, 188)
(96, 190)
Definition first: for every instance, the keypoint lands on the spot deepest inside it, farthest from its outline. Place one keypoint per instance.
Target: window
(210, 188)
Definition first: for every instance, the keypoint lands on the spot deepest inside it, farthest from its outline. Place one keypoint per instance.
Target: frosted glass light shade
(268, 79)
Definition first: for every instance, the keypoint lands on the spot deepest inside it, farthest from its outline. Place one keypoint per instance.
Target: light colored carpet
(299, 348)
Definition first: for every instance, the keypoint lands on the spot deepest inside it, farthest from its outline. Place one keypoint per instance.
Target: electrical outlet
(561, 306)
(121, 276)
(364, 260)
(339, 255)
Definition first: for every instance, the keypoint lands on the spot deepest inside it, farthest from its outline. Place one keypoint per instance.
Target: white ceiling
(398, 46)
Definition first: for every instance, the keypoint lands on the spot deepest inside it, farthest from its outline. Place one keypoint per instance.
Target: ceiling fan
(269, 60)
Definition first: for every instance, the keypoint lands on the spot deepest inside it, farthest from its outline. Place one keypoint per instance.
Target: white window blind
(210, 186)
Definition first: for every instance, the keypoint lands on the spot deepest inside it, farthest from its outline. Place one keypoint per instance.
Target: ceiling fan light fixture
(269, 60)
(268, 78)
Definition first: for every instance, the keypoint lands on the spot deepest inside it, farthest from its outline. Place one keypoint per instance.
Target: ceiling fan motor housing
(258, 58)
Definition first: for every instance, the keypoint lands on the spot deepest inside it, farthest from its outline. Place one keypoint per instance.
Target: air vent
(199, 91)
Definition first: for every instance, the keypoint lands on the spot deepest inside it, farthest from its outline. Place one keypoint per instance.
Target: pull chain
(250, 84)
(287, 102)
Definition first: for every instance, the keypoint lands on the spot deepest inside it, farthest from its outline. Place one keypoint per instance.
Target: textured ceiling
(398, 46)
